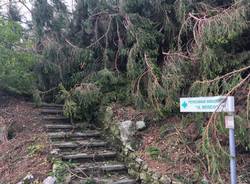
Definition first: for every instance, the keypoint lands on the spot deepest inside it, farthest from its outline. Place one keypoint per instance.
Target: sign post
(216, 104)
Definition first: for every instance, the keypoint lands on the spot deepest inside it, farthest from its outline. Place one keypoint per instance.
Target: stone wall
(136, 166)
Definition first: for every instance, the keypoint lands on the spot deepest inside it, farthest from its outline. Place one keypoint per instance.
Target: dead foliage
(26, 150)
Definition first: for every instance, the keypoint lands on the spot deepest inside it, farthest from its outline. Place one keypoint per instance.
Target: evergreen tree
(145, 52)
(13, 12)
(16, 62)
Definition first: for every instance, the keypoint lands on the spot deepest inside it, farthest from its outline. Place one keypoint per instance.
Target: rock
(145, 177)
(108, 115)
(140, 125)
(126, 151)
(50, 180)
(55, 152)
(132, 156)
(127, 130)
(133, 173)
(165, 180)
(114, 130)
(145, 167)
(156, 182)
(176, 182)
(55, 167)
(137, 166)
(28, 179)
(156, 176)
(139, 160)
(131, 165)
(67, 179)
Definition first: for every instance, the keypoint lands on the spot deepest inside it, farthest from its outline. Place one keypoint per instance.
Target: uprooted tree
(147, 53)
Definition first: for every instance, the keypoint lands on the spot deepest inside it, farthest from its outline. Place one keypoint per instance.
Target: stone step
(58, 127)
(121, 180)
(81, 143)
(100, 167)
(51, 105)
(51, 111)
(124, 181)
(64, 135)
(90, 156)
(55, 118)
(81, 149)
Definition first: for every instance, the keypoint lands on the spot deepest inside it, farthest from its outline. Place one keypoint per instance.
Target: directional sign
(216, 104)
(207, 104)
(229, 121)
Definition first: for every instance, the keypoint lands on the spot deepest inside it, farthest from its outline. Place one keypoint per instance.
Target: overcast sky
(23, 10)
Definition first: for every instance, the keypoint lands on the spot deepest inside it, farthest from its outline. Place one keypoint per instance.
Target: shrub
(35, 149)
(16, 74)
(153, 152)
(82, 102)
(88, 97)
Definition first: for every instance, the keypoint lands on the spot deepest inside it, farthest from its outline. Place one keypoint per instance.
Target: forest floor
(180, 154)
(172, 147)
(26, 149)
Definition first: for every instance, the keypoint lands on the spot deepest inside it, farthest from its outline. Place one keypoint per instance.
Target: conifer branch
(103, 36)
(214, 115)
(226, 76)
(71, 44)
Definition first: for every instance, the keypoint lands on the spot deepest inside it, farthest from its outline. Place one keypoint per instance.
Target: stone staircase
(94, 160)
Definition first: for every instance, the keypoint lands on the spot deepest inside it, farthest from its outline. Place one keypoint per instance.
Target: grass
(153, 152)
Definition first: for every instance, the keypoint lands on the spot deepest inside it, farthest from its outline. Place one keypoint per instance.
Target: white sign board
(207, 104)
(229, 121)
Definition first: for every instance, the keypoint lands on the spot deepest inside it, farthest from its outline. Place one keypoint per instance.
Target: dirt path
(27, 148)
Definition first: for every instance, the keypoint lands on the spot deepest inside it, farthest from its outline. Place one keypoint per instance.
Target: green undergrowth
(16, 75)
(213, 142)
(153, 152)
(84, 100)
(61, 170)
(35, 149)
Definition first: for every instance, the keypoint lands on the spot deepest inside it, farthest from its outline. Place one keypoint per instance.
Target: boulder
(140, 125)
(127, 130)
(55, 152)
(50, 180)
(165, 180)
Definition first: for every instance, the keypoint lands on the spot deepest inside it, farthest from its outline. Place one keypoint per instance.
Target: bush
(35, 149)
(82, 102)
(153, 152)
(87, 97)
(16, 74)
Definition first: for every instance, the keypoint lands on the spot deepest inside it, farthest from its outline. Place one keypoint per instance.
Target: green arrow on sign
(184, 105)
